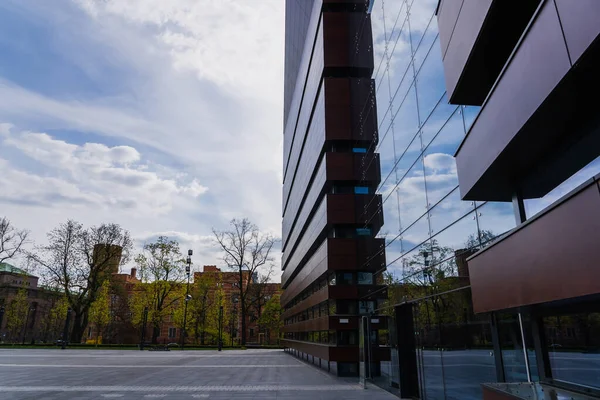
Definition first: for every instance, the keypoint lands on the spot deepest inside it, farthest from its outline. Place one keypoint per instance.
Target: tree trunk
(155, 333)
(79, 324)
(243, 309)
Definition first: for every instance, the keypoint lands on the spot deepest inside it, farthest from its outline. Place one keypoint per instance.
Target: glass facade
(429, 231)
(426, 223)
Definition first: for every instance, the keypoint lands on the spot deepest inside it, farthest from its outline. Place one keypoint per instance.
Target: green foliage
(100, 309)
(270, 318)
(162, 271)
(16, 313)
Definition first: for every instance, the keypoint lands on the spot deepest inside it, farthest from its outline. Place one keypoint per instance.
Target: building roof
(5, 267)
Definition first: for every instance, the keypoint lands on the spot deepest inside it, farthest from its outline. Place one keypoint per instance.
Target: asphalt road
(105, 374)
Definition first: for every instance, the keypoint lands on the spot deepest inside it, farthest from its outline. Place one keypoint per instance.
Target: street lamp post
(143, 333)
(220, 344)
(26, 322)
(66, 330)
(188, 268)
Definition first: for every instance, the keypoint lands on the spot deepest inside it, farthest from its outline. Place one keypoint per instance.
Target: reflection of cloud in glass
(534, 206)
(419, 133)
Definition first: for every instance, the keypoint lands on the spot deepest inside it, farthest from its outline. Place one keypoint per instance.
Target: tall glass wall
(429, 231)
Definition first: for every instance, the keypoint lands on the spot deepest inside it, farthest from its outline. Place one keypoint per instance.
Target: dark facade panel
(490, 162)
(480, 37)
(349, 109)
(342, 49)
(316, 298)
(448, 12)
(297, 21)
(335, 254)
(314, 349)
(300, 206)
(316, 266)
(580, 23)
(550, 257)
(315, 229)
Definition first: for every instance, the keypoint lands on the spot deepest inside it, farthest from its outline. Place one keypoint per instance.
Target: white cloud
(93, 174)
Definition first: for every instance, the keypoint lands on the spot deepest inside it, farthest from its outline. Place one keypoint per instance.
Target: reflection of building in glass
(469, 138)
(521, 131)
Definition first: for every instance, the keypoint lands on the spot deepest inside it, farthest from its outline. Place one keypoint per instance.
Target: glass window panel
(405, 122)
(437, 119)
(363, 231)
(495, 218)
(424, 30)
(428, 346)
(411, 266)
(365, 278)
(430, 82)
(450, 242)
(411, 192)
(416, 234)
(511, 343)
(359, 150)
(449, 210)
(398, 60)
(534, 206)
(366, 306)
(470, 113)
(573, 343)
(391, 211)
(467, 342)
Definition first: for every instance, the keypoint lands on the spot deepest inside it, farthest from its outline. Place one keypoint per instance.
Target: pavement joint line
(163, 389)
(152, 366)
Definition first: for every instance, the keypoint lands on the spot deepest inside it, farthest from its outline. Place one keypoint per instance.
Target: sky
(162, 116)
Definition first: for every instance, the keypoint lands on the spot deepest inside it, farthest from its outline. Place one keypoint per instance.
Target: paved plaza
(233, 374)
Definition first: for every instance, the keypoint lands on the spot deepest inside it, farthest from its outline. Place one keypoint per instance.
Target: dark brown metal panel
(581, 24)
(551, 257)
(353, 167)
(314, 349)
(492, 394)
(318, 297)
(316, 324)
(447, 17)
(310, 271)
(337, 109)
(341, 30)
(537, 67)
(469, 23)
(356, 254)
(479, 43)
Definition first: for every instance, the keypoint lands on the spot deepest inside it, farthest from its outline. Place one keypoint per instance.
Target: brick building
(37, 322)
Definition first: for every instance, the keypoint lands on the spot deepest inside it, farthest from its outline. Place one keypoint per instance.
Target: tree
(55, 318)
(162, 272)
(80, 261)
(270, 319)
(11, 240)
(247, 251)
(203, 298)
(100, 310)
(16, 314)
(258, 296)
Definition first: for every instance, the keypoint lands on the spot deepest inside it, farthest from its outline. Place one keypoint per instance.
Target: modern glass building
(488, 142)
(331, 260)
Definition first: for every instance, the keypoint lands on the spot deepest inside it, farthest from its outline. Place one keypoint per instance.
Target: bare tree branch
(11, 240)
(247, 251)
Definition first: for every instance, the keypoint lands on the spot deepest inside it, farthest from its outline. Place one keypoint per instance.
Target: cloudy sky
(162, 116)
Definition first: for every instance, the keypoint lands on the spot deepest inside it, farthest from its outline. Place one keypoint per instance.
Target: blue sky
(163, 116)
